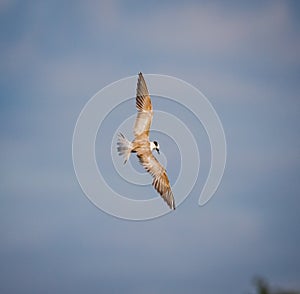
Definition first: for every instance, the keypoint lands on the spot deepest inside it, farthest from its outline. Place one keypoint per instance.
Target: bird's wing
(160, 179)
(144, 107)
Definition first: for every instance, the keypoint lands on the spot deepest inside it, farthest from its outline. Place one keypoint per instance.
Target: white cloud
(197, 29)
(209, 29)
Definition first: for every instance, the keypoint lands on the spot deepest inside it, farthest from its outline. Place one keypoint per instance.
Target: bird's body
(143, 147)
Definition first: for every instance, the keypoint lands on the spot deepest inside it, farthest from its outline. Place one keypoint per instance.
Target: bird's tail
(124, 147)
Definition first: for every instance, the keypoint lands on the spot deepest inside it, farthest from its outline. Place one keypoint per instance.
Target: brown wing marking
(160, 182)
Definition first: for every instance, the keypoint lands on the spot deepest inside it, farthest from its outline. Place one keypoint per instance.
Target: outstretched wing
(160, 179)
(144, 107)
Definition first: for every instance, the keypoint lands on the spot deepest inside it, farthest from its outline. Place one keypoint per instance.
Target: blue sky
(245, 57)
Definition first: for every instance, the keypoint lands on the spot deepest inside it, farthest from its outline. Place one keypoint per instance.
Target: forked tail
(124, 147)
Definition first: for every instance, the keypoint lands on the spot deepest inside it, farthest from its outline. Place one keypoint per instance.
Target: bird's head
(154, 145)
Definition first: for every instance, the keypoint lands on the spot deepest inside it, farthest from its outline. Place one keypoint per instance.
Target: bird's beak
(157, 150)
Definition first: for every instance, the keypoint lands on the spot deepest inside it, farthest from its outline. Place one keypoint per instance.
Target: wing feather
(144, 108)
(160, 179)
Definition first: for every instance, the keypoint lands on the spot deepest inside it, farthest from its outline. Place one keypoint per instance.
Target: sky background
(243, 55)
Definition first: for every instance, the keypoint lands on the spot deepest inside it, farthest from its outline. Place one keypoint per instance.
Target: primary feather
(144, 108)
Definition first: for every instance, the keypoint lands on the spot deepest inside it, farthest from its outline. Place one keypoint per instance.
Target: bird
(143, 147)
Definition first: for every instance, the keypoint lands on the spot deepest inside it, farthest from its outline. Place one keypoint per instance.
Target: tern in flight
(143, 147)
